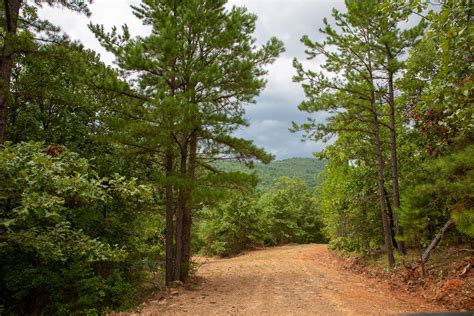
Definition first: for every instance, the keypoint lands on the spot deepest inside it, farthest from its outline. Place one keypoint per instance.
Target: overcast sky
(276, 107)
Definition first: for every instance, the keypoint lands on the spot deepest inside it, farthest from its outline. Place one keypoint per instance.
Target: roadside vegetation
(400, 171)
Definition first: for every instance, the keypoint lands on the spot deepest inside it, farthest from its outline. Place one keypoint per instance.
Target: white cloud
(107, 12)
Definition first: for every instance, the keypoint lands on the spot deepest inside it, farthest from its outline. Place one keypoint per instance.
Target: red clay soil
(449, 283)
(289, 280)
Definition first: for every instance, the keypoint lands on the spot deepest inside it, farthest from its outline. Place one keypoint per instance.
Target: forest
(112, 177)
(307, 169)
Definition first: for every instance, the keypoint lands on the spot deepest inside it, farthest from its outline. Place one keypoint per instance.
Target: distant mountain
(305, 168)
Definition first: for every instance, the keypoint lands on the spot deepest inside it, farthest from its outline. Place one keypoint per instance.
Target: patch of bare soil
(449, 283)
(289, 280)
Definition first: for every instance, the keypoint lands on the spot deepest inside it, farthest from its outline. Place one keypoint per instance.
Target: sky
(277, 106)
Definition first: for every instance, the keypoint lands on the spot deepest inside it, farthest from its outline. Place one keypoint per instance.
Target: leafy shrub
(282, 215)
(230, 227)
(290, 213)
(67, 243)
(349, 208)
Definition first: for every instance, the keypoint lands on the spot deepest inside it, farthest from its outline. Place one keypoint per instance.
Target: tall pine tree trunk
(394, 162)
(187, 216)
(381, 188)
(180, 210)
(379, 159)
(169, 220)
(12, 11)
(392, 222)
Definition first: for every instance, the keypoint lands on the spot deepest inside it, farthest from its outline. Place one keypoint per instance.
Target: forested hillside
(114, 175)
(308, 169)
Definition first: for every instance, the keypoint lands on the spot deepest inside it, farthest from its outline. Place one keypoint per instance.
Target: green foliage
(193, 72)
(186, 83)
(68, 237)
(443, 188)
(438, 85)
(52, 97)
(348, 206)
(230, 227)
(437, 95)
(284, 214)
(290, 212)
(307, 169)
(361, 58)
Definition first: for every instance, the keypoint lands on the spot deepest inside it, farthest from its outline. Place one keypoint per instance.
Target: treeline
(397, 78)
(307, 169)
(102, 169)
(285, 213)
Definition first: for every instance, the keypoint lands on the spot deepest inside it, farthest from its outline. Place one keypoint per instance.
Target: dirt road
(289, 280)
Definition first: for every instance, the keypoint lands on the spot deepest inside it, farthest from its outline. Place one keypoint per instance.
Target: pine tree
(392, 43)
(189, 78)
(351, 93)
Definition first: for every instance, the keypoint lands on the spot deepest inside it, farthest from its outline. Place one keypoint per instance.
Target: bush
(67, 243)
(232, 226)
(282, 215)
(349, 208)
(291, 216)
